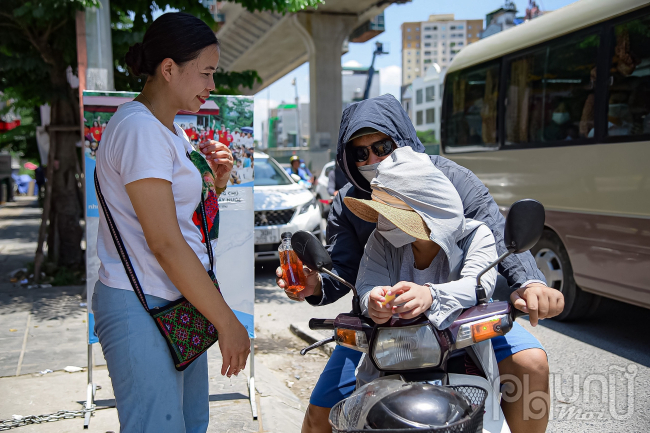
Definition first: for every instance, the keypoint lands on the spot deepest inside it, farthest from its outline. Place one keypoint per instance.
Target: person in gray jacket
(370, 131)
(424, 255)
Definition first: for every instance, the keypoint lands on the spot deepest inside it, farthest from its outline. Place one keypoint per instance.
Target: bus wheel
(553, 260)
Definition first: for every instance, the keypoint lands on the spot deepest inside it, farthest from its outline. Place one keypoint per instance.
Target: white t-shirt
(135, 146)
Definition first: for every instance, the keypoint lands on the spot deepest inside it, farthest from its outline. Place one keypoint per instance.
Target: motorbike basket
(471, 424)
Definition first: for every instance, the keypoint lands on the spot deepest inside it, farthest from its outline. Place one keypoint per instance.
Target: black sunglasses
(380, 148)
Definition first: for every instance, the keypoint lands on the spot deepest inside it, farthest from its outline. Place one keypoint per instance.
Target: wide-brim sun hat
(406, 220)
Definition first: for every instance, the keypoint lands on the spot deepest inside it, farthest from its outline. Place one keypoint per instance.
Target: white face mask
(369, 172)
(392, 234)
(561, 118)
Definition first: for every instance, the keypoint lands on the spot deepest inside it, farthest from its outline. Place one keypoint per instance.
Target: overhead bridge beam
(274, 44)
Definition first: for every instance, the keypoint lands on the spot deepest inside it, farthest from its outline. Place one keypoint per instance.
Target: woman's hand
(220, 159)
(235, 347)
(412, 299)
(379, 310)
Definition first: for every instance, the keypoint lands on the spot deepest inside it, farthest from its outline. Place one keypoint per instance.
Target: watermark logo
(574, 397)
(604, 396)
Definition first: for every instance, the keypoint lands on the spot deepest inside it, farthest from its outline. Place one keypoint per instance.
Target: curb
(301, 330)
(281, 410)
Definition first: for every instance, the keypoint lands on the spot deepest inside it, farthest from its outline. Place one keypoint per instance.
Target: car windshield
(268, 172)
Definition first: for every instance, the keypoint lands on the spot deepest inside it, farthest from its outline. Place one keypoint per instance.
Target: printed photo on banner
(229, 120)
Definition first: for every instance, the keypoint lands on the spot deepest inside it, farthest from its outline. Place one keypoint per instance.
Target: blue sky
(389, 65)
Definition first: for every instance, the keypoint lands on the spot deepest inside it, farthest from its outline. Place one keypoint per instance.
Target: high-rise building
(434, 41)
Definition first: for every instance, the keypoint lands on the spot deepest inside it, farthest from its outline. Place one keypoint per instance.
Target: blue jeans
(151, 396)
(338, 381)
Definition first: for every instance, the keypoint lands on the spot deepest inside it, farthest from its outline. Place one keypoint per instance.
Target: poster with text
(227, 119)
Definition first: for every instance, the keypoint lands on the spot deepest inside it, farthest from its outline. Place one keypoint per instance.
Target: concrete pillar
(99, 48)
(324, 35)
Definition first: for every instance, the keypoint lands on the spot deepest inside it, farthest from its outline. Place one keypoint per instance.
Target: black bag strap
(121, 250)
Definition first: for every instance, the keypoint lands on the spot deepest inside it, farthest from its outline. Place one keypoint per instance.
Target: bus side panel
(610, 255)
(601, 193)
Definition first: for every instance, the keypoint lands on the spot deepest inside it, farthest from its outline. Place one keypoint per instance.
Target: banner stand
(251, 381)
(90, 391)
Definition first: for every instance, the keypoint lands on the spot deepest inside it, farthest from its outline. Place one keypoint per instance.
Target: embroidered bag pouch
(187, 332)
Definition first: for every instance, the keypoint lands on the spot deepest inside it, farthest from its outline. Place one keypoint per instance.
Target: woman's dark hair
(175, 35)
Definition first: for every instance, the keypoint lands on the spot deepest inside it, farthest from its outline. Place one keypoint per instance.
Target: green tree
(38, 45)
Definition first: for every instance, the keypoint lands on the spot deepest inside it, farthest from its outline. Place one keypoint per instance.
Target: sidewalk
(34, 394)
(46, 328)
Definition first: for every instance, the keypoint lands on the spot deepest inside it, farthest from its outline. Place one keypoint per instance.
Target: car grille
(273, 217)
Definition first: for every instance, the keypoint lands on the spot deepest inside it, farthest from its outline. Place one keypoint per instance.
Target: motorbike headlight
(305, 207)
(407, 348)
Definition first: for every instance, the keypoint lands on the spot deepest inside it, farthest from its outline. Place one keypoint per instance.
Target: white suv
(281, 205)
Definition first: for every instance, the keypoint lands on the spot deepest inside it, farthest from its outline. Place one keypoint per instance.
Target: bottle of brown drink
(291, 266)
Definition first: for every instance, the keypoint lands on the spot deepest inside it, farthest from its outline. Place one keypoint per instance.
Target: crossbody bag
(187, 332)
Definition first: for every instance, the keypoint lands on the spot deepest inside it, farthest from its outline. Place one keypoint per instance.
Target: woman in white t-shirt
(152, 190)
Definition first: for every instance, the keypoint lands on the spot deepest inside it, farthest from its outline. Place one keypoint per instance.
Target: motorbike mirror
(524, 225)
(311, 251)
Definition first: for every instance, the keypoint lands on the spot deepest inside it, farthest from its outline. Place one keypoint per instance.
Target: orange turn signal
(487, 329)
(346, 337)
(353, 339)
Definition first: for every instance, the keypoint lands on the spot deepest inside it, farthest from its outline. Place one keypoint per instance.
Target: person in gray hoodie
(423, 251)
(370, 131)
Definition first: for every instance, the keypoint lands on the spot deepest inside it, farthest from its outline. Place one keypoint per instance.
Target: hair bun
(135, 59)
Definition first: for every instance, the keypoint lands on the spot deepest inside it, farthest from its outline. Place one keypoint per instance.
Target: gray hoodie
(469, 246)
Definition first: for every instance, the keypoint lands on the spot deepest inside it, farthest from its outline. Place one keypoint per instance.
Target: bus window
(550, 93)
(629, 92)
(471, 98)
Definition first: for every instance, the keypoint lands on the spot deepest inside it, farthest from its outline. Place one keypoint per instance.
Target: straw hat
(391, 208)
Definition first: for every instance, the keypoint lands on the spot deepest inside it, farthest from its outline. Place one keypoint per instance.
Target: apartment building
(437, 40)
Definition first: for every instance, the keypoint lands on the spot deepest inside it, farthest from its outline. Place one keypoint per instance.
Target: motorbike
(302, 182)
(430, 380)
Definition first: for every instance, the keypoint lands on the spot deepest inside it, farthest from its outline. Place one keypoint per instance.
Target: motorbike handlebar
(321, 324)
(517, 313)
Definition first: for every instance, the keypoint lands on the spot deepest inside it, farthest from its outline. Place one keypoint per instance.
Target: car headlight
(407, 348)
(305, 207)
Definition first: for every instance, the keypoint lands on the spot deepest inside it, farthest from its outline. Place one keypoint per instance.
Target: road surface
(600, 368)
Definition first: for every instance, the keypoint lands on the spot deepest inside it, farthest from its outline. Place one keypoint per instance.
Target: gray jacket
(468, 245)
(381, 264)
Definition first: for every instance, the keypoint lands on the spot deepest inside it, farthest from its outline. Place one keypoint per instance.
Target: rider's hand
(313, 286)
(539, 301)
(414, 299)
(379, 313)
(235, 347)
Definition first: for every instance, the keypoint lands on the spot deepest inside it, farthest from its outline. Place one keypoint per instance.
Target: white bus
(558, 109)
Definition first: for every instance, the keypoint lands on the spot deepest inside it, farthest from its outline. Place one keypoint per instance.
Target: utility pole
(371, 71)
(99, 48)
(294, 82)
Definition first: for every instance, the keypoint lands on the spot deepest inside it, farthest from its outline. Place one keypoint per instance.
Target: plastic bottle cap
(286, 235)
